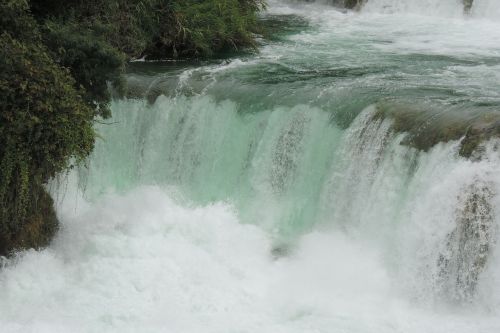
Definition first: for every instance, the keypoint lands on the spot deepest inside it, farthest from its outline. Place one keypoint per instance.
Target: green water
(267, 131)
(282, 191)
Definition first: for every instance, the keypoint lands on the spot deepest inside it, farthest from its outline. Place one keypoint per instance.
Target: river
(321, 184)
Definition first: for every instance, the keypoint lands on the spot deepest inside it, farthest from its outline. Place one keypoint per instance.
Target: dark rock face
(37, 230)
(353, 4)
(356, 4)
(287, 149)
(468, 245)
(468, 5)
(349, 4)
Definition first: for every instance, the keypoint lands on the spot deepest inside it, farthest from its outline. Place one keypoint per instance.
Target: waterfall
(289, 170)
(345, 178)
(469, 244)
(484, 9)
(447, 8)
(489, 9)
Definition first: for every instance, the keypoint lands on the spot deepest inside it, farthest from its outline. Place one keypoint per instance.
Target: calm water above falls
(284, 191)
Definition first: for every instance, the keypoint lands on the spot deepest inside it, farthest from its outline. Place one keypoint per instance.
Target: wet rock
(427, 127)
(354, 4)
(287, 152)
(468, 5)
(38, 228)
(468, 246)
(276, 27)
(280, 251)
(349, 4)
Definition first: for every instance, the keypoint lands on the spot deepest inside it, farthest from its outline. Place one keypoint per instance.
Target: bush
(92, 61)
(160, 28)
(44, 124)
(202, 28)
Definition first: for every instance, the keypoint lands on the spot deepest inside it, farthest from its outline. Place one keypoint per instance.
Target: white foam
(422, 7)
(141, 262)
(486, 9)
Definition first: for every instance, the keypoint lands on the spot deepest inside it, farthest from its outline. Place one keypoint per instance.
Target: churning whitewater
(316, 186)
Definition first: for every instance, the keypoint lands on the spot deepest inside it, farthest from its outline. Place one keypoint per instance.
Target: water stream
(282, 191)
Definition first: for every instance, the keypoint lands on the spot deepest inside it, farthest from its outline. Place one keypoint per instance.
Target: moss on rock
(428, 127)
(37, 228)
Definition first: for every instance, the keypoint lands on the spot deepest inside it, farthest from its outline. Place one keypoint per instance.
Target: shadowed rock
(468, 5)
(468, 245)
(37, 229)
(354, 4)
(281, 251)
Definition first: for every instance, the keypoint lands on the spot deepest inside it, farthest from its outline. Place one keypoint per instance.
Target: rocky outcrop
(37, 228)
(349, 4)
(468, 245)
(428, 127)
(353, 4)
(357, 4)
(468, 5)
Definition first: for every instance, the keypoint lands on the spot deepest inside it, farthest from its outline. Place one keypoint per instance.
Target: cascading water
(486, 9)
(322, 185)
(425, 7)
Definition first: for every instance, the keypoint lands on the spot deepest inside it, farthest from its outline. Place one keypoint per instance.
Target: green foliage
(160, 28)
(193, 27)
(44, 121)
(57, 60)
(92, 61)
(186, 28)
(14, 19)
(117, 22)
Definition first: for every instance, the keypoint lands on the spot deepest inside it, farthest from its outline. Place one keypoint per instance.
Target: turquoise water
(271, 192)
(267, 131)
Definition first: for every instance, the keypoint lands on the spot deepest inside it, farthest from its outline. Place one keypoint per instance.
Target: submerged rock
(281, 251)
(277, 27)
